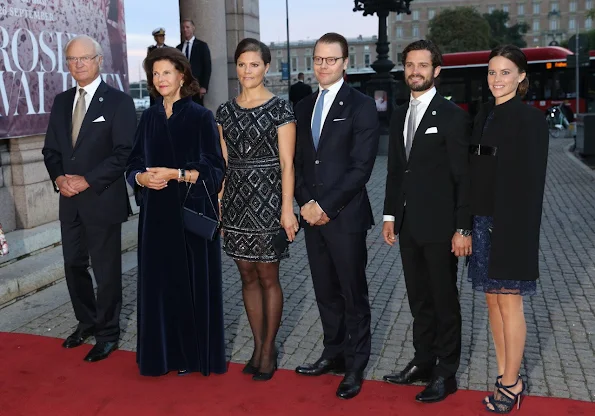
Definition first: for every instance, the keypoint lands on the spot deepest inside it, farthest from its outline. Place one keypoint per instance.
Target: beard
(424, 86)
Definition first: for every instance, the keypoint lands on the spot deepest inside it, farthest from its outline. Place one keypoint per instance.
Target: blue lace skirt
(480, 259)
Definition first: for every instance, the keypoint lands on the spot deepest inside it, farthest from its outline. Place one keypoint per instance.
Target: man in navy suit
(337, 142)
(87, 144)
(198, 54)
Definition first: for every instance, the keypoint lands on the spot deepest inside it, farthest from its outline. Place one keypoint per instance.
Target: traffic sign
(583, 60)
(583, 43)
(284, 71)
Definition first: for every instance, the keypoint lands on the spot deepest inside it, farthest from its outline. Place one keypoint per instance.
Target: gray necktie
(78, 116)
(411, 126)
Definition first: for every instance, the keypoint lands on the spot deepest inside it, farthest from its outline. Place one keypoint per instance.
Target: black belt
(482, 150)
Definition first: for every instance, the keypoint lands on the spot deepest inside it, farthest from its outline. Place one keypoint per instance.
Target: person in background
(427, 206)
(159, 36)
(509, 151)
(87, 143)
(257, 132)
(198, 54)
(177, 162)
(299, 90)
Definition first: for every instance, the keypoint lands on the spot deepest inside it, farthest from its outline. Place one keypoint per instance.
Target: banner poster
(33, 67)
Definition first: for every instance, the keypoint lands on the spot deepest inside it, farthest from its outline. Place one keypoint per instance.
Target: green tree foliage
(501, 34)
(458, 30)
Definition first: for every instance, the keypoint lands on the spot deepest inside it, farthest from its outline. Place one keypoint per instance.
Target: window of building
(399, 18)
(505, 8)
(520, 9)
(588, 23)
(399, 32)
(536, 8)
(572, 6)
(415, 14)
(279, 64)
(367, 60)
(588, 4)
(352, 49)
(431, 13)
(553, 24)
(366, 47)
(571, 24)
(554, 7)
(279, 52)
(536, 25)
(308, 63)
(352, 62)
(294, 63)
(491, 8)
(399, 57)
(415, 31)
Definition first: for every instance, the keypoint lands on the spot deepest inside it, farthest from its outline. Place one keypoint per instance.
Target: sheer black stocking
(253, 302)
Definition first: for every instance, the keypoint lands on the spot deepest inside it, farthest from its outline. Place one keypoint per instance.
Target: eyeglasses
(329, 61)
(83, 59)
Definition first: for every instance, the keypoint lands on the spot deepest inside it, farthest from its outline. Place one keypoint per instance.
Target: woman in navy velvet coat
(180, 306)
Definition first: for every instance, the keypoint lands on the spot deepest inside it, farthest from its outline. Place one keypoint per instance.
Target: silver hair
(98, 48)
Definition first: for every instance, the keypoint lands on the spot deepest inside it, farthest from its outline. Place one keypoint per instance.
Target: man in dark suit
(87, 144)
(199, 56)
(427, 205)
(299, 90)
(337, 142)
(159, 36)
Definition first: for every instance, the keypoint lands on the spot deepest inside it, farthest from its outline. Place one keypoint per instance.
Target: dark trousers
(338, 266)
(103, 244)
(431, 279)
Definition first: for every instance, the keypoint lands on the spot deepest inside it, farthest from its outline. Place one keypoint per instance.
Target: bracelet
(136, 180)
(189, 176)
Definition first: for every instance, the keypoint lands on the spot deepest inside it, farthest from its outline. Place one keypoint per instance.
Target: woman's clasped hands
(157, 178)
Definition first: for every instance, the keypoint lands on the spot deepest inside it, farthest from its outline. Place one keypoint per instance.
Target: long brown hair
(515, 54)
(179, 61)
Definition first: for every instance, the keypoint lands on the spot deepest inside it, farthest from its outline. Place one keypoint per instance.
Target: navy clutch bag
(198, 223)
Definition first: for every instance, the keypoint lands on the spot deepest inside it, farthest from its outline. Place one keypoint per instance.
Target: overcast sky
(308, 19)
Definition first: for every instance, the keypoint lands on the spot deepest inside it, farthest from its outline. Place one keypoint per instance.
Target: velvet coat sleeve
(210, 163)
(136, 160)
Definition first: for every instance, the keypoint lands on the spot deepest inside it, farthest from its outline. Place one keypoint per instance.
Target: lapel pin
(434, 112)
(340, 102)
(101, 100)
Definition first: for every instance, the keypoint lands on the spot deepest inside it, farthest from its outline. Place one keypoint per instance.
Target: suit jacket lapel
(334, 111)
(309, 110)
(94, 111)
(429, 120)
(400, 127)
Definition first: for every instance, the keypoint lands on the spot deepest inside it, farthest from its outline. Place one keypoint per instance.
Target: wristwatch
(463, 232)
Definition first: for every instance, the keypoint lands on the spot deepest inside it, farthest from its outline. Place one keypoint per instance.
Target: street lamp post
(382, 83)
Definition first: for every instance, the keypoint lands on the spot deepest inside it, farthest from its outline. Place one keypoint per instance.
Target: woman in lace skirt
(257, 132)
(508, 164)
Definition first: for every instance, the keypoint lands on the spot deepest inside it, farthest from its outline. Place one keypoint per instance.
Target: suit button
(73, 158)
(407, 171)
(316, 162)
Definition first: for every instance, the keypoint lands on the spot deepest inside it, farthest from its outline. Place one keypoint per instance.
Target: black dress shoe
(409, 375)
(351, 385)
(77, 338)
(183, 372)
(322, 366)
(101, 351)
(437, 390)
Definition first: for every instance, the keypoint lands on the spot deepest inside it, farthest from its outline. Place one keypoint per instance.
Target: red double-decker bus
(464, 79)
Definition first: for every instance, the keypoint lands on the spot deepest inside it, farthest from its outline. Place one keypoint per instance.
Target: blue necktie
(317, 120)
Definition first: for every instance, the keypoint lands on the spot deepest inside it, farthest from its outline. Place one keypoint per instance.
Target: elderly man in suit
(337, 142)
(427, 205)
(197, 52)
(89, 138)
(299, 90)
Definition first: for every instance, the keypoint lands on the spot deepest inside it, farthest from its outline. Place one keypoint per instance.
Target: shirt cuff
(317, 204)
(389, 218)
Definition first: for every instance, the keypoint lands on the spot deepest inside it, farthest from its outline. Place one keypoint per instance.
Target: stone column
(209, 18)
(29, 191)
(242, 22)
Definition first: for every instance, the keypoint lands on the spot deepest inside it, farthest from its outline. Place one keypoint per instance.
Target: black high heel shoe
(250, 368)
(486, 399)
(507, 399)
(261, 376)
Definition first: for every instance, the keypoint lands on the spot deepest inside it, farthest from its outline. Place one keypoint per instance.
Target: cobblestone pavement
(560, 354)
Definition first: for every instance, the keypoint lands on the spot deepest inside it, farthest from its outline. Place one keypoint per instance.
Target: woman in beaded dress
(508, 165)
(257, 132)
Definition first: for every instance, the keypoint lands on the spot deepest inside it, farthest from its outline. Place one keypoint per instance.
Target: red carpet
(39, 377)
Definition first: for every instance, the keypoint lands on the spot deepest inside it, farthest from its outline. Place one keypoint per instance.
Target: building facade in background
(549, 20)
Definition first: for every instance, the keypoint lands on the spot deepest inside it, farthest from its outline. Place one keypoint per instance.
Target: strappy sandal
(505, 399)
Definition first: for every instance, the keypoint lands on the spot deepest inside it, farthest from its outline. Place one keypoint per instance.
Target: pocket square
(431, 130)
(339, 119)
(99, 119)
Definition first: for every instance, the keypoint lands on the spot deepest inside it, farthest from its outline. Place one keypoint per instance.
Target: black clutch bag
(199, 223)
(280, 241)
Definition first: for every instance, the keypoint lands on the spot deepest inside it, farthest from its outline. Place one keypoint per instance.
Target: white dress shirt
(90, 90)
(329, 98)
(186, 44)
(425, 100)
